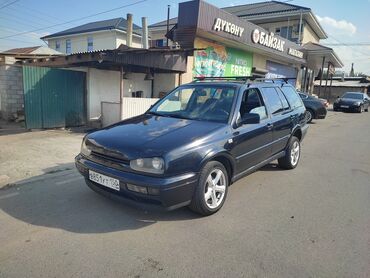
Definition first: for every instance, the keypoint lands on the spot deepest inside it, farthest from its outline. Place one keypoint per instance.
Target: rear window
(292, 96)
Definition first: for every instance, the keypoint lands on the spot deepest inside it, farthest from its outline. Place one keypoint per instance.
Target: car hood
(148, 135)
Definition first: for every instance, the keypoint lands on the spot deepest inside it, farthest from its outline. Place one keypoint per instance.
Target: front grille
(110, 158)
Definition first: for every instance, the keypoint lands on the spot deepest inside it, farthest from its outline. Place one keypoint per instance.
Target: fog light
(136, 188)
(153, 191)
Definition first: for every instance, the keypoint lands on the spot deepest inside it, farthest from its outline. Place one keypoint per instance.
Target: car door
(252, 142)
(281, 119)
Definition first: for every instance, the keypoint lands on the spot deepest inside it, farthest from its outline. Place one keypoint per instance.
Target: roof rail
(224, 78)
(273, 80)
(245, 79)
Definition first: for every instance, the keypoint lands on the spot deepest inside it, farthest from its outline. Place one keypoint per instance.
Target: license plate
(104, 180)
(344, 106)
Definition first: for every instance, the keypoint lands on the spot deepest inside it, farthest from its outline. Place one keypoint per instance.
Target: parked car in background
(352, 101)
(315, 108)
(325, 102)
(193, 143)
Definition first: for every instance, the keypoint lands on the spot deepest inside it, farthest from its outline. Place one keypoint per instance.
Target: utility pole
(168, 21)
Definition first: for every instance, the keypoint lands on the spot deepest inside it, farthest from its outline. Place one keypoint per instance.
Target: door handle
(269, 126)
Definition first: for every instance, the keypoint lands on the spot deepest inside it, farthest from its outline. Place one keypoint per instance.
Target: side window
(252, 103)
(273, 100)
(292, 96)
(283, 99)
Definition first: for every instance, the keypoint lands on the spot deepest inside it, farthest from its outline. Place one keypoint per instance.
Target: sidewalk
(24, 154)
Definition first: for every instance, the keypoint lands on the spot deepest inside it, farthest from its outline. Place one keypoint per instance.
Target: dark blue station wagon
(192, 144)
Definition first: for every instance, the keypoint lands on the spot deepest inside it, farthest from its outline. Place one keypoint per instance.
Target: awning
(157, 60)
(316, 53)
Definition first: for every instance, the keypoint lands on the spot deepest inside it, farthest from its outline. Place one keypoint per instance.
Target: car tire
(309, 115)
(335, 109)
(367, 109)
(292, 155)
(210, 193)
(361, 109)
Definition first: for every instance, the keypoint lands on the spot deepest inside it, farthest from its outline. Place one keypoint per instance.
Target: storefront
(232, 46)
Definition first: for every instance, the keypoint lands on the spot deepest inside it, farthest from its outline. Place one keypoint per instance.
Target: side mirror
(249, 118)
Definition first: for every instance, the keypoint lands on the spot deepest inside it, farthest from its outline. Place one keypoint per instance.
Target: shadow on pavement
(63, 201)
(271, 167)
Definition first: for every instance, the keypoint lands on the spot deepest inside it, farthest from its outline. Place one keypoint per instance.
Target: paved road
(313, 221)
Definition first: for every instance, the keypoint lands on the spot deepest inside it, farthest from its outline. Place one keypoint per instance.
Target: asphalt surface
(313, 221)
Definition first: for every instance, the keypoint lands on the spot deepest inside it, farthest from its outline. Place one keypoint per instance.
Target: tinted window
(283, 99)
(273, 100)
(252, 103)
(292, 96)
(352, 95)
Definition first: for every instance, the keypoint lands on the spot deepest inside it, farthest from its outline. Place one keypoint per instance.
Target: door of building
(54, 97)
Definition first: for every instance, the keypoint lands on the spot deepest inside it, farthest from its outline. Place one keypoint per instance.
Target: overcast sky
(344, 21)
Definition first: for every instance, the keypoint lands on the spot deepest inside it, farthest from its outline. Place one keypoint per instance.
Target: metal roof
(163, 23)
(33, 51)
(22, 50)
(267, 7)
(156, 60)
(315, 53)
(265, 12)
(339, 83)
(116, 23)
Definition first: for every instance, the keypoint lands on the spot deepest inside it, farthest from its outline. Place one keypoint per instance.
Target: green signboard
(217, 60)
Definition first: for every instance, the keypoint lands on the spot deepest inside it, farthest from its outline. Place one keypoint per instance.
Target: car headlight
(84, 149)
(358, 103)
(154, 165)
(337, 100)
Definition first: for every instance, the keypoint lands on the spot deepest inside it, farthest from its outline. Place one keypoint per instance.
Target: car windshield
(205, 103)
(352, 95)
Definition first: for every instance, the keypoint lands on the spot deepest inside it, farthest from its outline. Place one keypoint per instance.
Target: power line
(8, 4)
(74, 20)
(348, 44)
(31, 14)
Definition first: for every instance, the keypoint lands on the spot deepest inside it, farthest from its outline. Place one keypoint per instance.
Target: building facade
(295, 29)
(106, 34)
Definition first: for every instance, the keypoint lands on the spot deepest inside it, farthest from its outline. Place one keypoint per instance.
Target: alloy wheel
(308, 116)
(294, 153)
(215, 188)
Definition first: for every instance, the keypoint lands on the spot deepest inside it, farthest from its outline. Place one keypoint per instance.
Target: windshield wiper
(156, 114)
(177, 116)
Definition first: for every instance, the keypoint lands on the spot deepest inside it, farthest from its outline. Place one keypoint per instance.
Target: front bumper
(346, 107)
(321, 113)
(174, 192)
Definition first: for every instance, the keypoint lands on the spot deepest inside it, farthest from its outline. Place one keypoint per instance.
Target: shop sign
(268, 40)
(228, 27)
(295, 53)
(217, 60)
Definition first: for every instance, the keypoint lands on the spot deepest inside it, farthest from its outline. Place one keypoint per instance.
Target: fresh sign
(227, 27)
(268, 40)
(219, 60)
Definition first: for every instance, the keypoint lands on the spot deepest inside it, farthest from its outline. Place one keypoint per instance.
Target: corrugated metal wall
(54, 97)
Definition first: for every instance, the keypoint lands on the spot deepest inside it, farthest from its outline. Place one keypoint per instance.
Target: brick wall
(11, 90)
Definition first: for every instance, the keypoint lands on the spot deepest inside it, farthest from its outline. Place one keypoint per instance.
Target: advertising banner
(220, 61)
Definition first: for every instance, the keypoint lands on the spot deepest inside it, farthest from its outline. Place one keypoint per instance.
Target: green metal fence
(54, 97)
